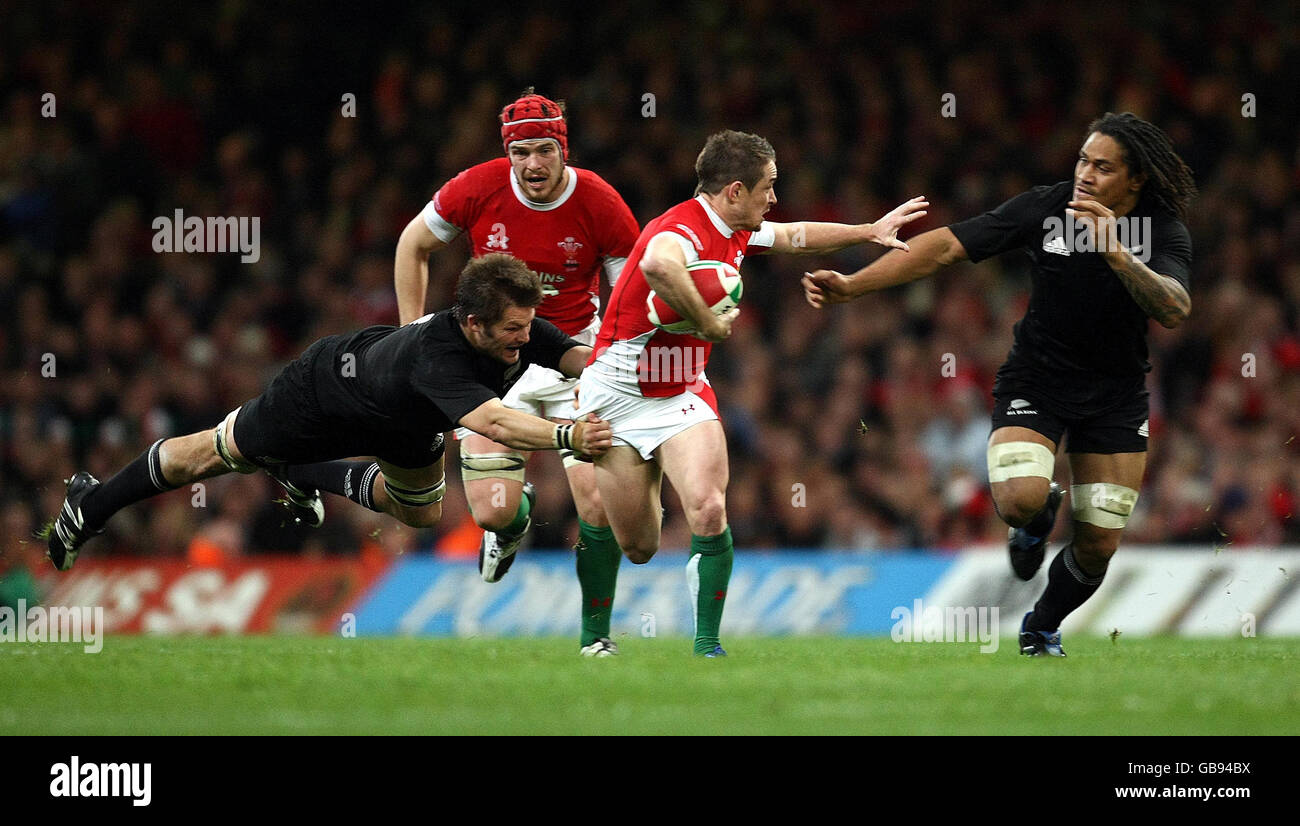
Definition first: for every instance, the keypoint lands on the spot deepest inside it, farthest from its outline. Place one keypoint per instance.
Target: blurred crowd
(856, 427)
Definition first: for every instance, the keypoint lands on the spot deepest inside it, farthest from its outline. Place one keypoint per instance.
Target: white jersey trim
(692, 254)
(764, 236)
(556, 204)
(442, 229)
(718, 224)
(613, 268)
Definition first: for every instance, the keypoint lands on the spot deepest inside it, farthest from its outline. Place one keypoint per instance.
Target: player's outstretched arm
(819, 237)
(411, 268)
(513, 428)
(930, 251)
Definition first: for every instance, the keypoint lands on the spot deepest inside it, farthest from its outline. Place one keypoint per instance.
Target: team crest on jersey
(498, 240)
(695, 239)
(570, 247)
(740, 256)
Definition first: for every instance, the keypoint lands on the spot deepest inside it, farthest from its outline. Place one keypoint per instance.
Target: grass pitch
(368, 685)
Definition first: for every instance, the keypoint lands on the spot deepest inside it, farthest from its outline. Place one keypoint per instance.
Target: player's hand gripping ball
(719, 285)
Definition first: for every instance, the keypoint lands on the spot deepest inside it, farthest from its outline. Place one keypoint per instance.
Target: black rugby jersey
(422, 377)
(1083, 337)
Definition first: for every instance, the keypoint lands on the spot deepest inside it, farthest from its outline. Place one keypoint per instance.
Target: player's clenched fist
(592, 437)
(827, 287)
(719, 328)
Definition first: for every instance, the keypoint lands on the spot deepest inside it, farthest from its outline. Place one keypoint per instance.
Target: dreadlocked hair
(1148, 151)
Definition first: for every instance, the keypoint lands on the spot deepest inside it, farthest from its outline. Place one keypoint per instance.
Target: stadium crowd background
(860, 427)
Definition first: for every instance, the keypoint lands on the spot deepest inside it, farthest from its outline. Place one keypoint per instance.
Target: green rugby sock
(598, 556)
(520, 522)
(708, 573)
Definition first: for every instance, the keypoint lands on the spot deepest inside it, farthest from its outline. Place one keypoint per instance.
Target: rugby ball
(719, 285)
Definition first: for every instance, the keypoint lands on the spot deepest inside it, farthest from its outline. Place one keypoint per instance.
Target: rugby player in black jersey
(1108, 250)
(386, 392)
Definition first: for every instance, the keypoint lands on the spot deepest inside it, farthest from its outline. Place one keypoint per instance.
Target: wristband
(564, 436)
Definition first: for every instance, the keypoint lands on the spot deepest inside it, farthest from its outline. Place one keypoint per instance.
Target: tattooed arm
(1159, 296)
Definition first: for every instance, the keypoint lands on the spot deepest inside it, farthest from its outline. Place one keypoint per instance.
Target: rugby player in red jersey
(570, 226)
(663, 412)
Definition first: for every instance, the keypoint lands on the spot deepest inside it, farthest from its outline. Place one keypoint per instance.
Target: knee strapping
(1103, 504)
(509, 465)
(1012, 460)
(415, 497)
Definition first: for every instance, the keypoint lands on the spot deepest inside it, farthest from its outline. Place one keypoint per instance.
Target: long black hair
(1148, 151)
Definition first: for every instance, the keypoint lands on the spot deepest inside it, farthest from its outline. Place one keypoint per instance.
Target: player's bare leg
(494, 495)
(597, 556)
(695, 462)
(629, 488)
(1111, 482)
(586, 496)
(413, 496)
(1102, 497)
(1020, 498)
(499, 500)
(1021, 465)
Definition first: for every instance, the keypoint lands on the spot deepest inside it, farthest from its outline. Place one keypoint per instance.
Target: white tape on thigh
(219, 445)
(571, 460)
(1103, 504)
(491, 466)
(1012, 460)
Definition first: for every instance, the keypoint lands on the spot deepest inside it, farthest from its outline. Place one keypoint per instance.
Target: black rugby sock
(1068, 587)
(139, 480)
(355, 480)
(1041, 524)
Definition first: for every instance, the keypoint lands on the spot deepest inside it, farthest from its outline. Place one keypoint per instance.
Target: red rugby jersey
(632, 354)
(567, 242)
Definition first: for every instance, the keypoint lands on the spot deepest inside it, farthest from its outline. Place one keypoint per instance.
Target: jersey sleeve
(456, 396)
(442, 229)
(1011, 225)
(446, 378)
(451, 210)
(547, 344)
(1172, 253)
(688, 249)
(613, 268)
(619, 232)
(762, 239)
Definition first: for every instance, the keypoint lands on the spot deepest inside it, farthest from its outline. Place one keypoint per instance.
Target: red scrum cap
(534, 117)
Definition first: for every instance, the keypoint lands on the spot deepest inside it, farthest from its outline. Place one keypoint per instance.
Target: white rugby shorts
(640, 422)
